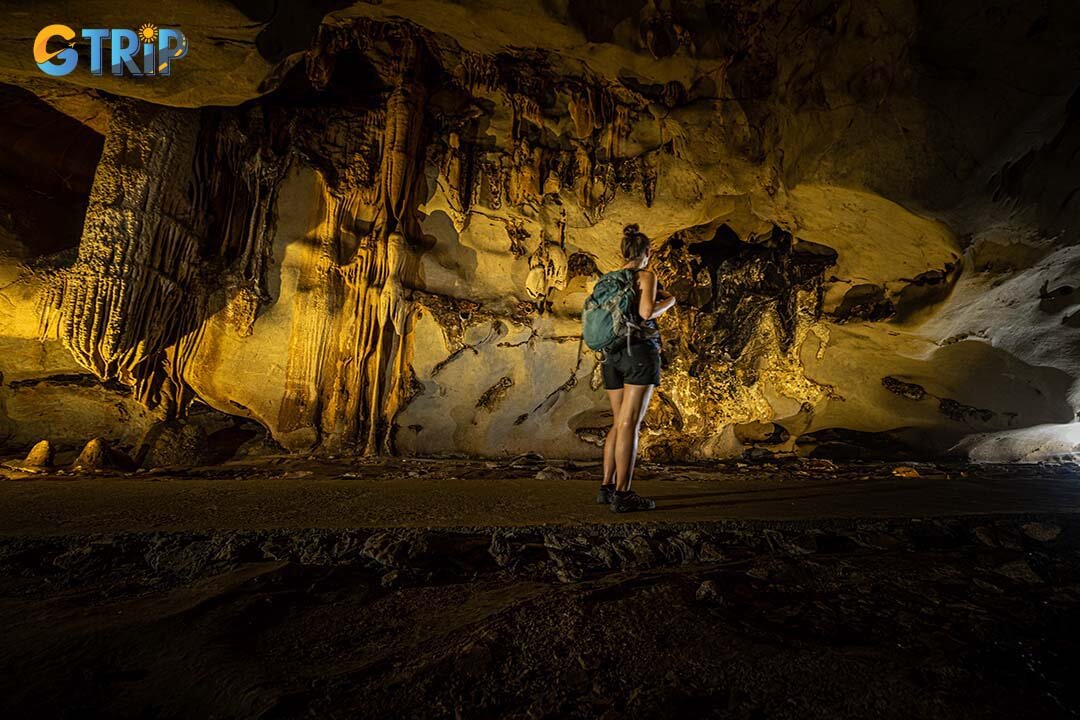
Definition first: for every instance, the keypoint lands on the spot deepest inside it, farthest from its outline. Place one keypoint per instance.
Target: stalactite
(616, 131)
(250, 174)
(524, 109)
(395, 313)
(650, 174)
(345, 150)
(334, 39)
(552, 170)
(523, 174)
(596, 184)
(478, 72)
(583, 167)
(403, 109)
(457, 170)
(580, 108)
(474, 164)
(131, 294)
(372, 349)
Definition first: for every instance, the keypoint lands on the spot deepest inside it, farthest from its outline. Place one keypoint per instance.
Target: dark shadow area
(47, 165)
(290, 26)
(872, 618)
(847, 444)
(598, 18)
(730, 284)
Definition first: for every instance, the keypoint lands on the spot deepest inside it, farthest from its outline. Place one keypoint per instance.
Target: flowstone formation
(370, 228)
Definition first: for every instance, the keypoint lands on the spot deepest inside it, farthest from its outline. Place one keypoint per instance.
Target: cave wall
(383, 241)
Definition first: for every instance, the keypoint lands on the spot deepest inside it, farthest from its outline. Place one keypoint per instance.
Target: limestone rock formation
(175, 444)
(98, 455)
(38, 460)
(370, 227)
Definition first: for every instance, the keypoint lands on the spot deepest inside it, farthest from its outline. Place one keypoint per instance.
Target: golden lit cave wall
(490, 373)
(300, 304)
(178, 232)
(483, 370)
(495, 377)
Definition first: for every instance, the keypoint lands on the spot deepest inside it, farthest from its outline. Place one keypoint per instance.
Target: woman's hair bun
(634, 242)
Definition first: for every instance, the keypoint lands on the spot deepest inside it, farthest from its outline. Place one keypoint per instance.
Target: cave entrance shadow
(45, 176)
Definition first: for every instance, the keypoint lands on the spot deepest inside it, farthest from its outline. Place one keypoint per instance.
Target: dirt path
(298, 493)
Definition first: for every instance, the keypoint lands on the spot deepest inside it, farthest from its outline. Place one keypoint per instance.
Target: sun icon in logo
(148, 33)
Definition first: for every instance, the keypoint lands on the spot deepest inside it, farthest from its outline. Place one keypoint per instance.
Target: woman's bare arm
(653, 304)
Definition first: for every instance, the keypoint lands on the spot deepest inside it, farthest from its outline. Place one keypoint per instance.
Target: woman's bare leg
(635, 402)
(615, 396)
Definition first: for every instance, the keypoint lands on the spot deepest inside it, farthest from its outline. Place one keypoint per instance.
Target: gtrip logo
(146, 51)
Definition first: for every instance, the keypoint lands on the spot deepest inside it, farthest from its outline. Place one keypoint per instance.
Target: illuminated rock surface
(369, 227)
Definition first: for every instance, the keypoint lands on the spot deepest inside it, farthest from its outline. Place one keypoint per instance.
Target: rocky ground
(943, 615)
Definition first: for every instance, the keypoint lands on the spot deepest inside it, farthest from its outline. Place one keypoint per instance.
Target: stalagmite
(97, 455)
(38, 460)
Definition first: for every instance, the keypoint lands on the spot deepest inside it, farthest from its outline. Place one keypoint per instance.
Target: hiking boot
(607, 492)
(630, 502)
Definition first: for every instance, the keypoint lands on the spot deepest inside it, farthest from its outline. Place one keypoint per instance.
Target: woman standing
(631, 371)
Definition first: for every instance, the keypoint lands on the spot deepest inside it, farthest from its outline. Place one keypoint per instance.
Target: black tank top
(645, 331)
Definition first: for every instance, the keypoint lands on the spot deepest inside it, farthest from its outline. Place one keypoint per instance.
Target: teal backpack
(609, 312)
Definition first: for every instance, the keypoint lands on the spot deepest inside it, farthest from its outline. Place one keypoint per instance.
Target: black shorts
(639, 366)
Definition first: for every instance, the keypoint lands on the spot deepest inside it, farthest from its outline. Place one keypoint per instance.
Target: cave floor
(290, 492)
(301, 588)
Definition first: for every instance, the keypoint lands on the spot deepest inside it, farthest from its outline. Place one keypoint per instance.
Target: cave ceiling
(370, 226)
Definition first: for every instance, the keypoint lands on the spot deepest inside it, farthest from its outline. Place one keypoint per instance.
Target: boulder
(175, 444)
